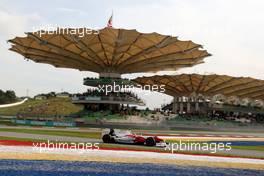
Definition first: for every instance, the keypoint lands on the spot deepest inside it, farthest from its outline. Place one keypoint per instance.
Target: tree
(7, 97)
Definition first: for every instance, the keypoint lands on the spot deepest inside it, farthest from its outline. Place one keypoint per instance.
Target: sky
(231, 30)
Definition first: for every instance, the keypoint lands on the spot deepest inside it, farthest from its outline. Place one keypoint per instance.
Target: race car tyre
(150, 141)
(107, 138)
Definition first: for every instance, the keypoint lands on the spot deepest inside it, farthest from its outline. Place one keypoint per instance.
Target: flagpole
(110, 21)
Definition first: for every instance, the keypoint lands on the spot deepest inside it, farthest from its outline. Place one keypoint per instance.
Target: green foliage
(48, 107)
(7, 97)
(102, 115)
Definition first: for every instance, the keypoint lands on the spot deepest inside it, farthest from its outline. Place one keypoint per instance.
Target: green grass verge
(102, 115)
(256, 148)
(21, 139)
(94, 135)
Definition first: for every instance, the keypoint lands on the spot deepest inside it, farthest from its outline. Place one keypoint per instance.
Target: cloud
(71, 10)
(231, 30)
(11, 24)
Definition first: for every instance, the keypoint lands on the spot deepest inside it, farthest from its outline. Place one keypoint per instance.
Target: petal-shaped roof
(109, 50)
(207, 85)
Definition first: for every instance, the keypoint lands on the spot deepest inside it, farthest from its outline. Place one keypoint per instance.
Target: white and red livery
(127, 137)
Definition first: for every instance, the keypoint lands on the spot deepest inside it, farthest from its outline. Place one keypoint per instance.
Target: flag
(109, 23)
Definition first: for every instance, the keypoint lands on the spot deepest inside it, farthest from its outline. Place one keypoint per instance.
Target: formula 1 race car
(127, 137)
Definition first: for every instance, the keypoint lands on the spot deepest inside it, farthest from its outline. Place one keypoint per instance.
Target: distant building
(63, 95)
(40, 97)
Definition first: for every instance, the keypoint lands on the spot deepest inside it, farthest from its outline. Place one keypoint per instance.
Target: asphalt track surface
(69, 168)
(258, 134)
(238, 152)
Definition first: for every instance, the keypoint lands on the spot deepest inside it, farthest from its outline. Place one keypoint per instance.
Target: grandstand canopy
(207, 85)
(109, 50)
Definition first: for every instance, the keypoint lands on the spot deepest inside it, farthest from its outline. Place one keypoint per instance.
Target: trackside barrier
(43, 123)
